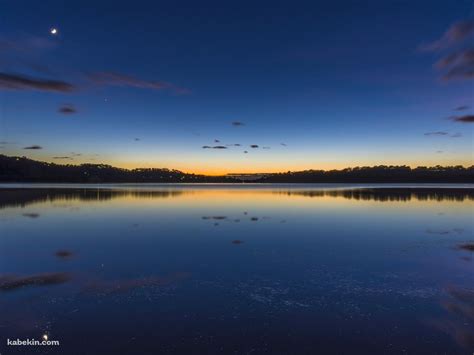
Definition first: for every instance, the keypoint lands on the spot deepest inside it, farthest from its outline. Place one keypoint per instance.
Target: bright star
(54, 31)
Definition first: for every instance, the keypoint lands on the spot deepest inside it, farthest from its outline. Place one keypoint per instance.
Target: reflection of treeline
(17, 197)
(21, 197)
(16, 169)
(389, 194)
(377, 174)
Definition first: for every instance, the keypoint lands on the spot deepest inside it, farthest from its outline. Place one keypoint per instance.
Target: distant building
(247, 177)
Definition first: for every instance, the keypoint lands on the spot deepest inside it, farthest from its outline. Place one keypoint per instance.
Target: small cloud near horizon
(33, 147)
(214, 147)
(238, 124)
(254, 146)
(462, 108)
(463, 119)
(63, 158)
(437, 133)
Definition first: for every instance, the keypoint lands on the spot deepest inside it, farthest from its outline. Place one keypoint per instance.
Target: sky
(221, 87)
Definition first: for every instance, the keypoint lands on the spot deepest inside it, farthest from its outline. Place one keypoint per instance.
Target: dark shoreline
(24, 170)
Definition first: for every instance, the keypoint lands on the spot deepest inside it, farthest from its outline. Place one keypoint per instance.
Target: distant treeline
(378, 174)
(21, 169)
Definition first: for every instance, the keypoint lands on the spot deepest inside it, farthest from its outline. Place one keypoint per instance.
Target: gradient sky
(149, 83)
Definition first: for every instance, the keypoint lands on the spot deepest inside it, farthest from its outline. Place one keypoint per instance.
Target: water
(148, 269)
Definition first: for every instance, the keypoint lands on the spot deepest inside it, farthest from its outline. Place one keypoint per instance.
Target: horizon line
(241, 173)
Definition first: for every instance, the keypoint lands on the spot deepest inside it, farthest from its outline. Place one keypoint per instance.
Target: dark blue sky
(340, 83)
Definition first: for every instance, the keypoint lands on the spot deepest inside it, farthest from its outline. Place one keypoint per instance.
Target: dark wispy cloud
(266, 148)
(237, 124)
(33, 147)
(254, 146)
(136, 139)
(214, 147)
(437, 133)
(283, 144)
(63, 158)
(9, 81)
(10, 283)
(245, 152)
(462, 108)
(456, 33)
(234, 145)
(216, 141)
(463, 119)
(439, 151)
(121, 80)
(443, 134)
(459, 65)
(67, 109)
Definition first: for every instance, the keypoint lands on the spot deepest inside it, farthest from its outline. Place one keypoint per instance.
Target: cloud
(136, 139)
(234, 145)
(283, 144)
(237, 124)
(63, 158)
(439, 151)
(245, 152)
(254, 146)
(33, 147)
(214, 147)
(121, 80)
(216, 141)
(266, 148)
(437, 133)
(10, 283)
(459, 65)
(10, 81)
(453, 35)
(443, 133)
(64, 254)
(67, 109)
(462, 108)
(463, 119)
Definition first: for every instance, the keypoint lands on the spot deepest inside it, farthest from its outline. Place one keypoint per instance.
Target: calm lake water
(278, 269)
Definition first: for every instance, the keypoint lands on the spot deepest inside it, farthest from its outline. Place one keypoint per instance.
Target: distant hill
(377, 174)
(21, 169)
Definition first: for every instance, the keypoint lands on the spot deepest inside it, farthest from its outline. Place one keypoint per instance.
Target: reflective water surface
(150, 269)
